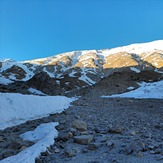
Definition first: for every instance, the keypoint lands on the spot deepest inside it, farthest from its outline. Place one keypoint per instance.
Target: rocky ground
(98, 130)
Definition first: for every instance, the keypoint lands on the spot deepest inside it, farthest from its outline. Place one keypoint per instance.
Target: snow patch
(43, 136)
(4, 80)
(135, 69)
(146, 90)
(17, 108)
(35, 91)
(131, 88)
(138, 48)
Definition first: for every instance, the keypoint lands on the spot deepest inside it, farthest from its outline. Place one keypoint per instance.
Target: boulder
(79, 125)
(83, 139)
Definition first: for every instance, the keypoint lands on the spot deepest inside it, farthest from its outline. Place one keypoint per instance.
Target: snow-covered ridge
(88, 66)
(139, 47)
(136, 48)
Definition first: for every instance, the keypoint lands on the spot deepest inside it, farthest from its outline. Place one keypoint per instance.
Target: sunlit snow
(43, 136)
(17, 108)
(146, 90)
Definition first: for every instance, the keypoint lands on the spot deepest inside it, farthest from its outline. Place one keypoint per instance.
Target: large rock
(83, 139)
(79, 125)
(70, 152)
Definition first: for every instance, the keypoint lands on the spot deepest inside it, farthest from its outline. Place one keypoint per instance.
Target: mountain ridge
(83, 68)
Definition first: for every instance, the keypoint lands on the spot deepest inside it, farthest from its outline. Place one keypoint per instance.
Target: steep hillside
(66, 72)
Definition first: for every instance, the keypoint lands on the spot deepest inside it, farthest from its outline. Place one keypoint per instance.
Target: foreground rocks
(98, 130)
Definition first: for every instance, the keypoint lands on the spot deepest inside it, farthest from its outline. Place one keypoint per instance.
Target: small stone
(14, 145)
(84, 133)
(73, 131)
(103, 139)
(152, 152)
(148, 135)
(70, 152)
(60, 127)
(158, 150)
(94, 146)
(64, 136)
(83, 139)
(70, 134)
(139, 154)
(56, 150)
(135, 147)
(44, 153)
(7, 153)
(114, 159)
(109, 144)
(150, 147)
(141, 146)
(1, 139)
(116, 129)
(159, 157)
(22, 148)
(60, 145)
(79, 125)
(37, 160)
(133, 133)
(97, 130)
(85, 150)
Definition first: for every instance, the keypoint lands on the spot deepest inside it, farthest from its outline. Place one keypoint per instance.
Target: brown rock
(83, 139)
(1, 139)
(80, 125)
(14, 145)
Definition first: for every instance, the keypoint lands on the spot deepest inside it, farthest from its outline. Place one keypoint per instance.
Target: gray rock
(135, 147)
(85, 150)
(83, 139)
(7, 153)
(44, 153)
(73, 131)
(64, 136)
(132, 133)
(14, 145)
(116, 129)
(110, 144)
(94, 146)
(56, 150)
(79, 125)
(148, 135)
(1, 139)
(150, 147)
(158, 150)
(84, 133)
(159, 157)
(70, 152)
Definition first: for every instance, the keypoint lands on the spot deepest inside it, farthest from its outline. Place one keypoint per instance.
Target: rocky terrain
(93, 129)
(98, 130)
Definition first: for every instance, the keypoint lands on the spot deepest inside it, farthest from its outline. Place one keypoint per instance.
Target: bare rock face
(45, 83)
(18, 72)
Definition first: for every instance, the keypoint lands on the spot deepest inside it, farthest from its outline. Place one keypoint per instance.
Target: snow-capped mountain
(73, 70)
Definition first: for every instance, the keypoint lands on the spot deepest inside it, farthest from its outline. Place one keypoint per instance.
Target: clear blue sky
(40, 28)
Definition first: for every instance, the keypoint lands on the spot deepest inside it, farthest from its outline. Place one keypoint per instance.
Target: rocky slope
(71, 71)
